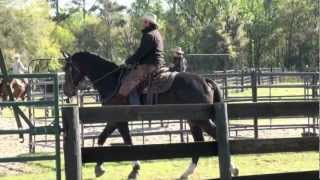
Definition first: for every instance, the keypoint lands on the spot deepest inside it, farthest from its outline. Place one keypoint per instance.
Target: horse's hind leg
(197, 136)
(123, 128)
(209, 127)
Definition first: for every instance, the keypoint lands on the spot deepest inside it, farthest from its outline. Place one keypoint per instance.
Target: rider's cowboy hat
(17, 56)
(150, 17)
(177, 50)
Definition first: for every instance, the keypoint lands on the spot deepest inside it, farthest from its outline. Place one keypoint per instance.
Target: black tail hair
(217, 95)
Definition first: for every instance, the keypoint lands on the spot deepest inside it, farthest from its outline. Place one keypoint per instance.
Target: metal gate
(52, 129)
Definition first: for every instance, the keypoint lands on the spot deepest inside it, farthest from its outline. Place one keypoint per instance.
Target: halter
(77, 69)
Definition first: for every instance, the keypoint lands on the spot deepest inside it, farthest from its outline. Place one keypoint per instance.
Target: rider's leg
(134, 98)
(134, 78)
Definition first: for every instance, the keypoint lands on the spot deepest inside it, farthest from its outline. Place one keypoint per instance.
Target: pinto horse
(18, 88)
(106, 77)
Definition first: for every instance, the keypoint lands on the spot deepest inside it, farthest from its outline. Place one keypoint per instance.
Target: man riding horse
(179, 62)
(147, 59)
(18, 87)
(186, 88)
(18, 67)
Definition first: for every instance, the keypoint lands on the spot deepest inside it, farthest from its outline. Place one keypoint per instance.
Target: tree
(27, 30)
(254, 33)
(110, 13)
(300, 36)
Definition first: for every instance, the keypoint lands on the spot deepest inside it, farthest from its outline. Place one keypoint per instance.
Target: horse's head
(73, 76)
(104, 75)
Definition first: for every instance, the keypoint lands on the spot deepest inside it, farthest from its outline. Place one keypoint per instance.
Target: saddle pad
(161, 83)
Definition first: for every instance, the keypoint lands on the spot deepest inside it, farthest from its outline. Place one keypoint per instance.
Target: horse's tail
(217, 94)
(26, 91)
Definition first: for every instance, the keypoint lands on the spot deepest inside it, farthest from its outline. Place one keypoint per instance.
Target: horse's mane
(96, 67)
(94, 61)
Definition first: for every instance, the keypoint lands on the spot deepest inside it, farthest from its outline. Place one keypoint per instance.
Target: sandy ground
(11, 147)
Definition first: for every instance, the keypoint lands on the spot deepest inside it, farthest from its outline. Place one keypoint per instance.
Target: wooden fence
(236, 80)
(75, 155)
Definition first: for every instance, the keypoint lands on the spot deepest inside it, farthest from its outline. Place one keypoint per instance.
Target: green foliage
(254, 33)
(27, 31)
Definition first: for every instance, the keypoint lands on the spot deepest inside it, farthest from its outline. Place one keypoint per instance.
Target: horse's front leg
(123, 128)
(107, 131)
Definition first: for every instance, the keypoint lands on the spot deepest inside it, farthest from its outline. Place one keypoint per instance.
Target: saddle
(155, 84)
(159, 81)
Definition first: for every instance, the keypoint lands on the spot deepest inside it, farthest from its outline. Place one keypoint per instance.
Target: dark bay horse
(106, 76)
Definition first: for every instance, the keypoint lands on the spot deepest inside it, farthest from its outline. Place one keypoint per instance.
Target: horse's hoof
(133, 176)
(184, 178)
(101, 140)
(235, 172)
(134, 173)
(99, 171)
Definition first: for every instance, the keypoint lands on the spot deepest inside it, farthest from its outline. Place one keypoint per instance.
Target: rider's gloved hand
(129, 61)
(123, 66)
(126, 66)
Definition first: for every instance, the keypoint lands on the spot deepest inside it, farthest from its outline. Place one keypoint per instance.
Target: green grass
(266, 92)
(172, 169)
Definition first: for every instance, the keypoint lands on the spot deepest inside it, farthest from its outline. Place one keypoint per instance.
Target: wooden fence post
(71, 143)
(182, 131)
(242, 80)
(225, 78)
(80, 102)
(314, 96)
(221, 118)
(254, 99)
(314, 85)
(271, 76)
(258, 76)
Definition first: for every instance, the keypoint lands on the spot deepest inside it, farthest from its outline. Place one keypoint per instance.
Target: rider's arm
(146, 47)
(184, 64)
(22, 67)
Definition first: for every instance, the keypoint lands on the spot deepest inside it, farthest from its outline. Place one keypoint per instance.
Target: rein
(118, 85)
(105, 75)
(100, 78)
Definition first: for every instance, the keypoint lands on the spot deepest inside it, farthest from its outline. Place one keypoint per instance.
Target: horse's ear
(65, 55)
(68, 54)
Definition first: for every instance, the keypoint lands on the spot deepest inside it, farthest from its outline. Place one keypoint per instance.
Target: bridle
(69, 63)
(122, 69)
